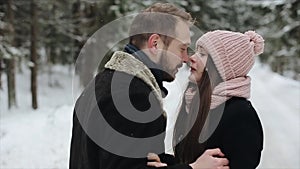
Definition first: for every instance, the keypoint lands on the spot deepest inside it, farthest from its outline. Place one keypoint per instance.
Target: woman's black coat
(236, 129)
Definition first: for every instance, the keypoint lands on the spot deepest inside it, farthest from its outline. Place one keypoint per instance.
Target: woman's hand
(154, 160)
(211, 159)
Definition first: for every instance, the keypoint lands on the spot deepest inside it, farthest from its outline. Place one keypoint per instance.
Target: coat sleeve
(85, 153)
(242, 136)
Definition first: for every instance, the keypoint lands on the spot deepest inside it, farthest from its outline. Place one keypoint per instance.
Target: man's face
(176, 53)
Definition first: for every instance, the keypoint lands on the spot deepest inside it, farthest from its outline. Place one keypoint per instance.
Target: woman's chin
(192, 79)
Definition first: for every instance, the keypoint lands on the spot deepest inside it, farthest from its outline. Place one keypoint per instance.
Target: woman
(224, 118)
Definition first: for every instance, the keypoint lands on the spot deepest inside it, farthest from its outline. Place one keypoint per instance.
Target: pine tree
(10, 62)
(33, 48)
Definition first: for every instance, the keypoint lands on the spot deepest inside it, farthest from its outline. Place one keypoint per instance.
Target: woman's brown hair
(189, 149)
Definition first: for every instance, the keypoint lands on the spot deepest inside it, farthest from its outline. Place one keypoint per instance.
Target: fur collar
(124, 62)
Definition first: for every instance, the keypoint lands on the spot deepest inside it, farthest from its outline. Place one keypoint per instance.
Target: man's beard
(166, 76)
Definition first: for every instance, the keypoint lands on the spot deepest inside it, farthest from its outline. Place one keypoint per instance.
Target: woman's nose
(192, 58)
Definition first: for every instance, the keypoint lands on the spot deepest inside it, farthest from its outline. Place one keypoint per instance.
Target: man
(126, 121)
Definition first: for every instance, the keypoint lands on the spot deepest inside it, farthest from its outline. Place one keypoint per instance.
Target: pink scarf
(239, 87)
(188, 95)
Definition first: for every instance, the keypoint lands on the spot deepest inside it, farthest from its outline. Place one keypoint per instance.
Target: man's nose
(185, 57)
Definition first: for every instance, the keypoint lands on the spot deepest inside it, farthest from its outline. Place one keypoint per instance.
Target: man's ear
(152, 43)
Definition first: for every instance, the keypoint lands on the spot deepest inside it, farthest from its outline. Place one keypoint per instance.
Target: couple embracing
(119, 121)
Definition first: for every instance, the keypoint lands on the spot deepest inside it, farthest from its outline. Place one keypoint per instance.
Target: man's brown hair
(160, 18)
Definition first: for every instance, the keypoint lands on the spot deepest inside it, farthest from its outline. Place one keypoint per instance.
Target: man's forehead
(184, 41)
(183, 33)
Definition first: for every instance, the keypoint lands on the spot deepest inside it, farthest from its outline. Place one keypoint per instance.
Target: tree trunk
(77, 15)
(1, 69)
(33, 55)
(19, 65)
(10, 63)
(49, 66)
(11, 83)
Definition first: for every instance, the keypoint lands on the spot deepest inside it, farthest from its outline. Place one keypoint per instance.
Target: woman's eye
(202, 54)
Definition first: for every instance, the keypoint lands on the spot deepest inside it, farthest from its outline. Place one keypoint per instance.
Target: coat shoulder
(238, 108)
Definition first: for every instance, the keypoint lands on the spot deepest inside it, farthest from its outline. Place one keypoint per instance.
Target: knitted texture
(188, 96)
(233, 54)
(238, 87)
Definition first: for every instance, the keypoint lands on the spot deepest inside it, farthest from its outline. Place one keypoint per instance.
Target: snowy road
(277, 101)
(40, 139)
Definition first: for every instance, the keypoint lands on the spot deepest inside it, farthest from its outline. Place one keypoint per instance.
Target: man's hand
(154, 160)
(211, 159)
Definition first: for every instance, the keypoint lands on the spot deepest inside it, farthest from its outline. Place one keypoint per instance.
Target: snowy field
(41, 138)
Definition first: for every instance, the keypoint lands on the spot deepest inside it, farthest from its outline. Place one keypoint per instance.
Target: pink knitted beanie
(232, 52)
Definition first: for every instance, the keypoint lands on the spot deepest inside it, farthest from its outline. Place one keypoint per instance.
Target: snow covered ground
(277, 100)
(41, 138)
(37, 138)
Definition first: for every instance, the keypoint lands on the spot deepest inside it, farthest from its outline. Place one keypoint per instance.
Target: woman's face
(197, 64)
